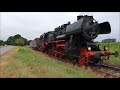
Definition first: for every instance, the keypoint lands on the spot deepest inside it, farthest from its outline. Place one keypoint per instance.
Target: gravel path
(5, 49)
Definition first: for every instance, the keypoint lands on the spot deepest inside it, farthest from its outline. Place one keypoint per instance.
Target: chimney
(79, 17)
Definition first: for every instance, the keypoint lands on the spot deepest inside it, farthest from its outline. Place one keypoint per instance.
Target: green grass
(113, 46)
(115, 60)
(25, 63)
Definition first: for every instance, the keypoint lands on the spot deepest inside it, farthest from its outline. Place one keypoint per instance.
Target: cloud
(33, 24)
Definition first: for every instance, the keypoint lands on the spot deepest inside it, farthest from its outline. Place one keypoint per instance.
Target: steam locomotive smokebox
(104, 28)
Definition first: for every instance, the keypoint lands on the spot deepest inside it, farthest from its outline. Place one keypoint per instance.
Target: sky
(32, 24)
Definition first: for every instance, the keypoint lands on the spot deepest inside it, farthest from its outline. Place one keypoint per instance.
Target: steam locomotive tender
(75, 41)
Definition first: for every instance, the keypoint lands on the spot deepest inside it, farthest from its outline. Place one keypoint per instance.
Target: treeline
(2, 43)
(109, 40)
(17, 40)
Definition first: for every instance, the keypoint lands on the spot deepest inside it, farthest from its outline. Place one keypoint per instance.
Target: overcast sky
(32, 24)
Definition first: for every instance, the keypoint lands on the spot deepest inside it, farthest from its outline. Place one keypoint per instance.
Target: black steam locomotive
(75, 41)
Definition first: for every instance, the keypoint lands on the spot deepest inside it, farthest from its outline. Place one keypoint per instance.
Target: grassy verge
(22, 62)
(113, 46)
(1, 46)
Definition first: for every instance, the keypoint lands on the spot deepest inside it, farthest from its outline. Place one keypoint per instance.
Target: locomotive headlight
(106, 48)
(89, 48)
(94, 21)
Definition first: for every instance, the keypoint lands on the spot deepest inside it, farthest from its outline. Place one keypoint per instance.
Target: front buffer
(95, 57)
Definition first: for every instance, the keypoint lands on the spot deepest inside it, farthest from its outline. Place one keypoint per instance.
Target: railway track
(107, 70)
(109, 67)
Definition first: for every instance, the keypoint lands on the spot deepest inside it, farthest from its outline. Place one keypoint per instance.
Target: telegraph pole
(0, 26)
(119, 32)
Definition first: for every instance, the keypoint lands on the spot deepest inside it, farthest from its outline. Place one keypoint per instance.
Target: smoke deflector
(104, 28)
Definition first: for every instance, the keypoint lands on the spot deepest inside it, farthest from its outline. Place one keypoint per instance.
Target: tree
(17, 36)
(28, 42)
(10, 40)
(109, 40)
(19, 42)
(25, 41)
(2, 43)
(16, 40)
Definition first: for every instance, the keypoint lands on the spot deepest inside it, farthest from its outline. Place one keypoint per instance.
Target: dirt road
(5, 49)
